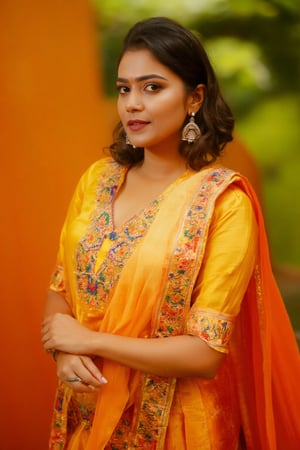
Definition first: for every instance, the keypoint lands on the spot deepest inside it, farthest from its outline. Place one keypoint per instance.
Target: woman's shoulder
(234, 199)
(235, 196)
(231, 186)
(99, 167)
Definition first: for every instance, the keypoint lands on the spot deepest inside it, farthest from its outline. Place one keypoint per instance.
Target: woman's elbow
(210, 361)
(210, 372)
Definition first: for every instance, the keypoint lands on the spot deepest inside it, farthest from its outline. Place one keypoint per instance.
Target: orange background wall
(53, 124)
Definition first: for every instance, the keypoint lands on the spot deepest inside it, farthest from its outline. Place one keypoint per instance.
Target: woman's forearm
(55, 303)
(180, 356)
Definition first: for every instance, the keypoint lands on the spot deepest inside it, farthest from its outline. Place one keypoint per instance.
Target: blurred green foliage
(254, 46)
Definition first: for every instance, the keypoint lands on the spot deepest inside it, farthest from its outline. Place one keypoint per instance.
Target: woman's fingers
(89, 373)
(79, 372)
(93, 369)
(65, 333)
(78, 385)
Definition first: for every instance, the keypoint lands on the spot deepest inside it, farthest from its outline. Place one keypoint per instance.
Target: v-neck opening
(149, 206)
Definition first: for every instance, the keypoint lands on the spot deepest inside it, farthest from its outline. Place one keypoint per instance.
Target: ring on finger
(73, 380)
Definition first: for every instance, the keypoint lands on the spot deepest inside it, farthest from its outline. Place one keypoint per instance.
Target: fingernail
(103, 380)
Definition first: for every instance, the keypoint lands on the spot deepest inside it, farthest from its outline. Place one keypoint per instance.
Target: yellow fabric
(230, 253)
(227, 265)
(221, 280)
(130, 305)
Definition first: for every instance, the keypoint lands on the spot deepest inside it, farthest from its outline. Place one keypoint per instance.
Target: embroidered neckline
(103, 251)
(155, 201)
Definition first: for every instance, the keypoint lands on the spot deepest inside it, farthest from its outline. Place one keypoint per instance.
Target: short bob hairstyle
(180, 50)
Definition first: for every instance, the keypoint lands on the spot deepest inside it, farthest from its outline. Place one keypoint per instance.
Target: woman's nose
(134, 103)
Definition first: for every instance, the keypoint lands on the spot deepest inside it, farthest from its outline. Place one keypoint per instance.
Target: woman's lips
(136, 125)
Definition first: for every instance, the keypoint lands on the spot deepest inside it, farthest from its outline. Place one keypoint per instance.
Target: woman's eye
(152, 87)
(122, 89)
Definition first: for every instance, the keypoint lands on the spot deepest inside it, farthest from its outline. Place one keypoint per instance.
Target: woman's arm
(71, 366)
(179, 356)
(55, 303)
(185, 355)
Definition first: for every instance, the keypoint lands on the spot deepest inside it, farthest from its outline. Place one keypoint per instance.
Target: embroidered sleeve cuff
(57, 280)
(213, 327)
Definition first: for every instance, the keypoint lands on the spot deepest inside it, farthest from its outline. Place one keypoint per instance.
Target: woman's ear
(196, 98)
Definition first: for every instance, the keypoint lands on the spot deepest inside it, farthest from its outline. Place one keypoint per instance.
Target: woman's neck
(157, 166)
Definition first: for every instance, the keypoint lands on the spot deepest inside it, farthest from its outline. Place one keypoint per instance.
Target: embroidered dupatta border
(157, 392)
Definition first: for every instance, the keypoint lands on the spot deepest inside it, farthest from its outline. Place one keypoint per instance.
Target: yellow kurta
(97, 263)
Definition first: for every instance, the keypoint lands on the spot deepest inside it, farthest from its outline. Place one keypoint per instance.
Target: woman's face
(153, 102)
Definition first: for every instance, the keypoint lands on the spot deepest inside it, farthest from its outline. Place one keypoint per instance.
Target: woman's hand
(64, 333)
(79, 372)
(178, 356)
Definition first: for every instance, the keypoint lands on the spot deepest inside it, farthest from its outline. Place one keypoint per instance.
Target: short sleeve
(226, 269)
(58, 282)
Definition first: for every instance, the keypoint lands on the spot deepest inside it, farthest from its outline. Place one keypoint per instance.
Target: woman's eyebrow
(142, 78)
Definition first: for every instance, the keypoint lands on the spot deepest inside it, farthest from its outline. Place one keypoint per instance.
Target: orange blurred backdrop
(54, 123)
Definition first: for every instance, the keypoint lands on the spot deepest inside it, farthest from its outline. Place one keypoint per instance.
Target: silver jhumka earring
(191, 131)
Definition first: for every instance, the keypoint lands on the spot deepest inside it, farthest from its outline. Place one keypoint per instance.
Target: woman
(159, 313)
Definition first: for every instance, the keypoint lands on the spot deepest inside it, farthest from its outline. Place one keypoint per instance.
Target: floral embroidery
(80, 413)
(57, 282)
(215, 328)
(119, 439)
(184, 264)
(70, 410)
(95, 283)
(190, 246)
(154, 411)
(58, 429)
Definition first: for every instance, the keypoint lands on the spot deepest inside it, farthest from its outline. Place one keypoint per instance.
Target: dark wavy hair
(181, 51)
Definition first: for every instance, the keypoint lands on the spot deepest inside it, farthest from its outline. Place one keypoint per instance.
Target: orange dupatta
(143, 295)
(267, 357)
(266, 385)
